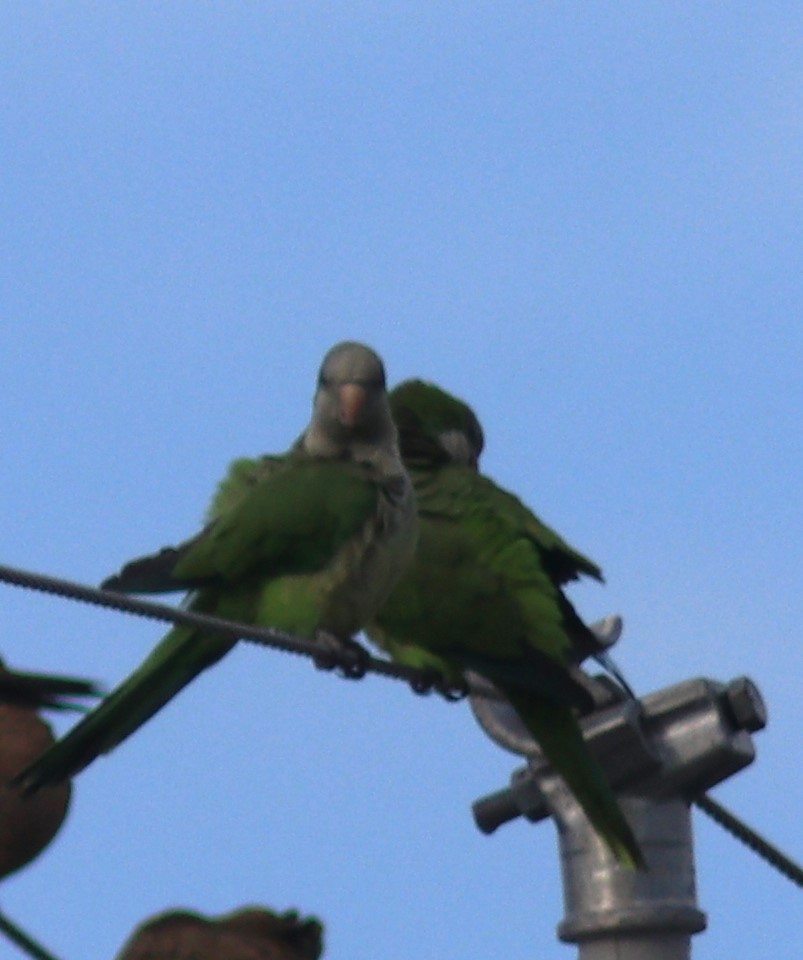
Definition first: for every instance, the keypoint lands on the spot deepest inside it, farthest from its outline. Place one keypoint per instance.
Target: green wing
(242, 476)
(292, 521)
(155, 573)
(561, 561)
(478, 595)
(483, 593)
(267, 512)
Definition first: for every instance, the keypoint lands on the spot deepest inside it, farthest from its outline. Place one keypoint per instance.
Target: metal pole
(658, 752)
(616, 914)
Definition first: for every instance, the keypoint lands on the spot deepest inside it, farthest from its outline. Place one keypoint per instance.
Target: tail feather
(178, 659)
(558, 733)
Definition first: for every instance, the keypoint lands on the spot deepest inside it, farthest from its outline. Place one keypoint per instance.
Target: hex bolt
(745, 705)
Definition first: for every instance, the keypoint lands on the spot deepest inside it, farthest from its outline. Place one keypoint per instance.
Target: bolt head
(746, 705)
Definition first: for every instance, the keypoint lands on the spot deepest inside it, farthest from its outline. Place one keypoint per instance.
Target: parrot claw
(428, 680)
(344, 654)
(453, 692)
(425, 681)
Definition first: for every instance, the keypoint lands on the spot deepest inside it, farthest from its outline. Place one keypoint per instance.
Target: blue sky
(584, 219)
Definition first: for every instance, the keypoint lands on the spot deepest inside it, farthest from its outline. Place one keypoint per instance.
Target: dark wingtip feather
(48, 692)
(151, 574)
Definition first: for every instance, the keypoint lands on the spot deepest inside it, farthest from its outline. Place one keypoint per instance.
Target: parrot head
(350, 408)
(434, 426)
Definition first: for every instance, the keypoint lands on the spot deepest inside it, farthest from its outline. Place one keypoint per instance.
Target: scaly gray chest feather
(365, 570)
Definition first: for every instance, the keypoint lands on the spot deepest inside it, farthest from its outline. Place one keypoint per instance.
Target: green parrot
(41, 691)
(313, 547)
(483, 593)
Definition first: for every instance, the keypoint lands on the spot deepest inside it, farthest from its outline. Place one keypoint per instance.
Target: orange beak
(352, 400)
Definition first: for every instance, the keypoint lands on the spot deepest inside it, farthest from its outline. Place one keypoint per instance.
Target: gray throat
(383, 456)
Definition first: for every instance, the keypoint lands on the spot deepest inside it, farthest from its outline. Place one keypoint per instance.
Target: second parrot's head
(351, 403)
(435, 427)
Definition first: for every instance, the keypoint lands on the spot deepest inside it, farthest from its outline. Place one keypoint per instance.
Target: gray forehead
(352, 361)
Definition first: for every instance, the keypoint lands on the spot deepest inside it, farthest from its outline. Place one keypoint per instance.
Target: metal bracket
(659, 752)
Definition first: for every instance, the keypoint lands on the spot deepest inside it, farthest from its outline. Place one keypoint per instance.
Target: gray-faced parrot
(483, 593)
(313, 548)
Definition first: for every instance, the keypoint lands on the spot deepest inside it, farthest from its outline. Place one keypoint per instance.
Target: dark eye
(373, 382)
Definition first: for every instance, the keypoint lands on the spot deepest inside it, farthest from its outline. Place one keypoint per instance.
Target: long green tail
(558, 733)
(178, 659)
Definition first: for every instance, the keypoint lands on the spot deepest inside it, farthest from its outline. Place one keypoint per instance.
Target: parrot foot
(425, 681)
(344, 654)
(429, 680)
(452, 692)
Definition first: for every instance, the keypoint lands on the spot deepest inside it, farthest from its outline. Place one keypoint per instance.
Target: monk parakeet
(313, 547)
(483, 593)
(42, 691)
